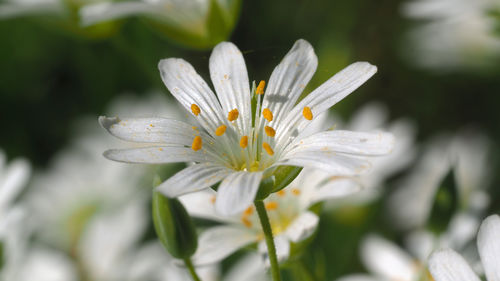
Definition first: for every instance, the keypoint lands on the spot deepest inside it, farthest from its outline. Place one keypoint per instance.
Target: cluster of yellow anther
(245, 217)
(233, 115)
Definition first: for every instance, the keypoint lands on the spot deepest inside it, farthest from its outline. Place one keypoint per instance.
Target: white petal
(13, 10)
(193, 178)
(357, 143)
(149, 130)
(106, 11)
(43, 264)
(13, 181)
(302, 227)
(386, 259)
(289, 79)
(488, 243)
(156, 155)
(326, 95)
(336, 188)
(249, 268)
(219, 242)
(229, 76)
(335, 164)
(282, 249)
(202, 205)
(237, 192)
(189, 88)
(447, 265)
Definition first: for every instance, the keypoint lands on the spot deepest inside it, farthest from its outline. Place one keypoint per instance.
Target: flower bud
(174, 226)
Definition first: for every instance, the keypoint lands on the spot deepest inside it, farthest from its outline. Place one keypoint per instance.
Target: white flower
(13, 231)
(16, 8)
(227, 146)
(467, 154)
(457, 34)
(290, 219)
(387, 261)
(80, 184)
(447, 265)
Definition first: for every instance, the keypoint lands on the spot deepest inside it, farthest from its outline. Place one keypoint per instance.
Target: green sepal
(284, 175)
(265, 188)
(174, 226)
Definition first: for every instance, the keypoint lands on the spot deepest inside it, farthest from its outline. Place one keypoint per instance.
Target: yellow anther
(307, 113)
(233, 115)
(151, 125)
(268, 115)
(248, 211)
(195, 109)
(271, 205)
(296, 191)
(212, 199)
(270, 131)
(268, 148)
(194, 128)
(221, 130)
(197, 143)
(260, 88)
(160, 149)
(246, 221)
(281, 193)
(244, 141)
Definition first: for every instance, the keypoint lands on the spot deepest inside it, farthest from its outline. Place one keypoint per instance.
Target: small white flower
(457, 34)
(467, 154)
(14, 234)
(80, 184)
(447, 265)
(231, 144)
(290, 219)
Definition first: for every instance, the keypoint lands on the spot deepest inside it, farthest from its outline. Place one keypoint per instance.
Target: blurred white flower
(16, 8)
(81, 183)
(232, 145)
(290, 219)
(13, 231)
(467, 155)
(457, 34)
(448, 265)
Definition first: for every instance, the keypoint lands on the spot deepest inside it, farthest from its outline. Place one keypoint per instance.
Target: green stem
(268, 234)
(190, 267)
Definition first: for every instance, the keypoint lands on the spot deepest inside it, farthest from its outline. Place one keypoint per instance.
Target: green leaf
(174, 226)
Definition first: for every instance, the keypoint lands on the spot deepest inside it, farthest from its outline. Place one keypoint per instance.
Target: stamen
(195, 109)
(233, 115)
(260, 88)
(246, 221)
(197, 143)
(281, 193)
(248, 211)
(268, 148)
(268, 115)
(244, 141)
(221, 130)
(271, 205)
(270, 131)
(212, 199)
(296, 191)
(307, 113)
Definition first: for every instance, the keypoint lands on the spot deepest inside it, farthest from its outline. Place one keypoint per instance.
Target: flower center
(244, 149)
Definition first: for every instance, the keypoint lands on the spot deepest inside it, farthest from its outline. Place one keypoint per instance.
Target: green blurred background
(50, 77)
